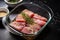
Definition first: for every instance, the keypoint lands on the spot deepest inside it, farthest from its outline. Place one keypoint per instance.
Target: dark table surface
(51, 32)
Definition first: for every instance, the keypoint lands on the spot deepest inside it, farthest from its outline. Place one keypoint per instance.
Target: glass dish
(41, 9)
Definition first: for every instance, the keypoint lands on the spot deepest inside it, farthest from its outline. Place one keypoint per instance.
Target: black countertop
(51, 32)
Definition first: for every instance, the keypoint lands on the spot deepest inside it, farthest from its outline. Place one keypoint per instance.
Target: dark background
(51, 32)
